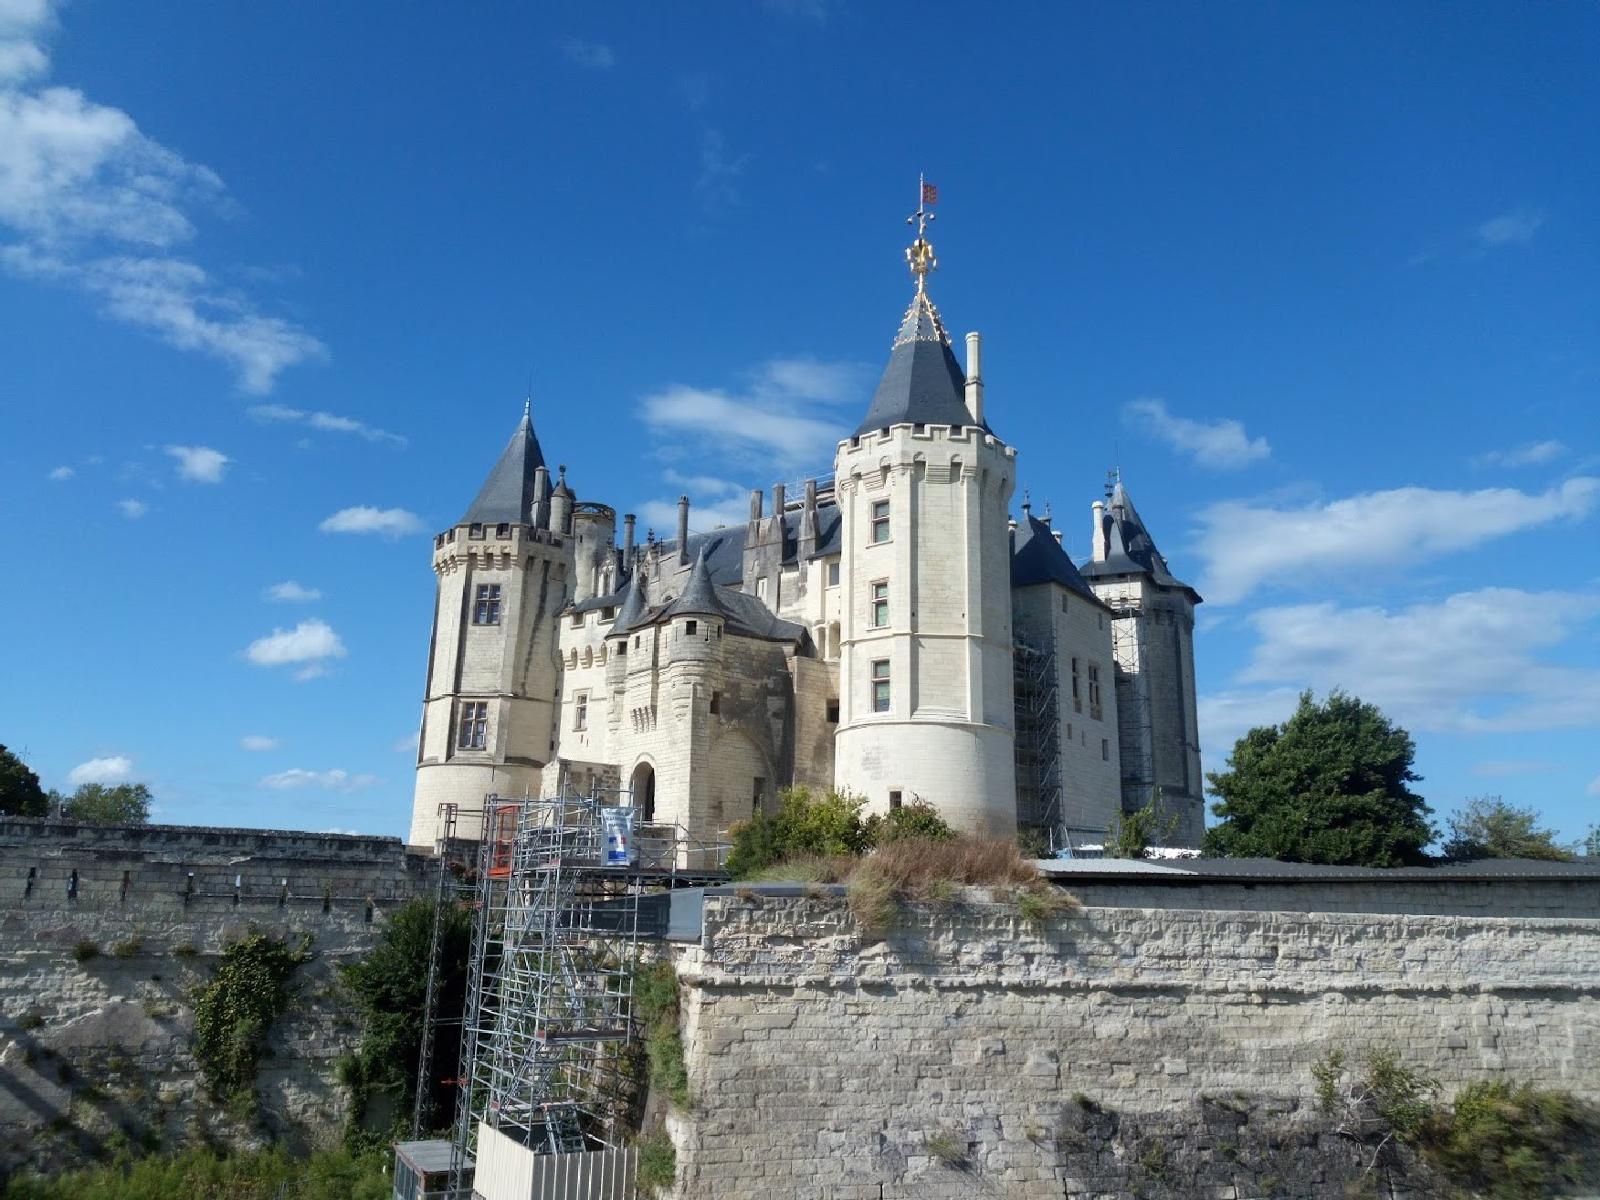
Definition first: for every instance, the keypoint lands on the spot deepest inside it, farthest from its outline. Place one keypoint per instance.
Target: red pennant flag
(930, 194)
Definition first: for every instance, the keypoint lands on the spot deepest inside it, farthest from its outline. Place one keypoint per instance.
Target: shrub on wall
(824, 825)
(655, 1008)
(261, 1175)
(234, 1012)
(1507, 1140)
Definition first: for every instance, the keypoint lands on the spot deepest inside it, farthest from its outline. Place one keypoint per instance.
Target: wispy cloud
(325, 422)
(363, 518)
(117, 768)
(1510, 228)
(309, 644)
(336, 780)
(290, 592)
(61, 473)
(717, 185)
(1244, 545)
(258, 743)
(132, 509)
(1531, 455)
(95, 204)
(1221, 443)
(199, 464)
(593, 56)
(1594, 787)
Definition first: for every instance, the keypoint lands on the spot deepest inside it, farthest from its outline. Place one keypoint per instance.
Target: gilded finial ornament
(919, 255)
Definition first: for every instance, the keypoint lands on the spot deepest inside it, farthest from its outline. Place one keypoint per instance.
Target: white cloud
(363, 518)
(1245, 545)
(662, 515)
(61, 473)
(96, 204)
(1221, 444)
(326, 422)
(199, 464)
(118, 768)
(290, 592)
(1594, 786)
(132, 509)
(708, 484)
(1475, 662)
(773, 420)
(406, 745)
(308, 642)
(1509, 228)
(336, 780)
(258, 743)
(595, 56)
(1227, 716)
(1530, 455)
(720, 173)
(1499, 768)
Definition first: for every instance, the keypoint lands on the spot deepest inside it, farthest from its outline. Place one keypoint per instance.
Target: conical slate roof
(1036, 557)
(508, 494)
(699, 595)
(923, 384)
(633, 605)
(1130, 550)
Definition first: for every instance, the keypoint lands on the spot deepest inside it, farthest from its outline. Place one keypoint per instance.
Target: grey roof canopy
(699, 595)
(1130, 550)
(1036, 557)
(923, 384)
(508, 493)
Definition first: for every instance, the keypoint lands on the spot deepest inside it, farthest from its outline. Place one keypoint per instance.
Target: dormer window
(503, 530)
(608, 613)
(475, 530)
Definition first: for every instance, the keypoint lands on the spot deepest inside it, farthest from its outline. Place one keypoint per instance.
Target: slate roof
(1036, 557)
(699, 594)
(923, 384)
(634, 602)
(1130, 549)
(507, 494)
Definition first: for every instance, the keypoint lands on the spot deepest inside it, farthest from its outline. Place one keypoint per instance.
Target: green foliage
(1033, 841)
(389, 989)
(1041, 901)
(128, 948)
(20, 793)
(235, 1011)
(655, 1007)
(658, 1163)
(1488, 827)
(874, 899)
(1386, 1102)
(831, 824)
(1326, 786)
(919, 819)
(1132, 834)
(100, 804)
(946, 1147)
(86, 950)
(1591, 842)
(200, 1174)
(1510, 1141)
(30, 1020)
(185, 950)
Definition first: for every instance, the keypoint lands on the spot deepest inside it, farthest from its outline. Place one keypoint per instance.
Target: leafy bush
(235, 1011)
(1132, 834)
(85, 950)
(1488, 827)
(828, 825)
(655, 1005)
(1509, 1141)
(658, 1163)
(128, 948)
(918, 820)
(260, 1175)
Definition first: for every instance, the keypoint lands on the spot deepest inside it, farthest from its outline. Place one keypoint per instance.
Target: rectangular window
(880, 521)
(1105, 749)
(577, 620)
(475, 531)
(486, 605)
(608, 613)
(580, 710)
(894, 800)
(690, 628)
(761, 589)
(716, 702)
(1094, 692)
(880, 685)
(473, 731)
(833, 712)
(502, 530)
(1069, 731)
(758, 792)
(1077, 693)
(833, 574)
(878, 611)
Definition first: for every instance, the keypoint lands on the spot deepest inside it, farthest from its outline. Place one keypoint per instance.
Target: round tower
(925, 675)
(594, 536)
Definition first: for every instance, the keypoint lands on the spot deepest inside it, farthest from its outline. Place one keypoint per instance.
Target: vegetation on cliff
(199, 1174)
(235, 1011)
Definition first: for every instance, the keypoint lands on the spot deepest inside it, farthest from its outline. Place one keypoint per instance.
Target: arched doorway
(644, 792)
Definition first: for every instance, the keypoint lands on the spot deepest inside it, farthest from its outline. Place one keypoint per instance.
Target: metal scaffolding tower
(1136, 736)
(1038, 740)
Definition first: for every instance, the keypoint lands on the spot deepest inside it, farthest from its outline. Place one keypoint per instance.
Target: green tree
(20, 793)
(1326, 786)
(919, 819)
(1132, 834)
(825, 825)
(1591, 842)
(102, 804)
(389, 987)
(1488, 827)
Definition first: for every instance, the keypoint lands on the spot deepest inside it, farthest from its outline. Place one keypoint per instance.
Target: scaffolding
(549, 1005)
(1136, 735)
(1038, 741)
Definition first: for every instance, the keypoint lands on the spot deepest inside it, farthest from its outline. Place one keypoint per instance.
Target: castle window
(761, 589)
(1094, 692)
(503, 530)
(486, 606)
(1077, 694)
(894, 800)
(1064, 604)
(758, 792)
(880, 685)
(580, 710)
(690, 628)
(1105, 749)
(833, 712)
(473, 731)
(608, 613)
(880, 521)
(878, 610)
(833, 574)
(577, 620)
(1069, 731)
(475, 531)
(716, 702)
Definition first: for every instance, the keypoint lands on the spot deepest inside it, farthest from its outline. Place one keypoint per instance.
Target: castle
(891, 632)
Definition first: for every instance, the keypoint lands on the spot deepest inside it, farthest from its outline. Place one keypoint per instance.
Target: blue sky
(274, 281)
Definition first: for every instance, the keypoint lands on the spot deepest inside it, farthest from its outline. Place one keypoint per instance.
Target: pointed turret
(699, 595)
(1123, 545)
(509, 494)
(633, 604)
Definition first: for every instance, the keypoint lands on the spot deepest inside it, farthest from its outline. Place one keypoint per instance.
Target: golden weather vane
(919, 255)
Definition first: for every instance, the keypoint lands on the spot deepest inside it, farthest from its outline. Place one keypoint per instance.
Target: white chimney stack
(1097, 537)
(975, 377)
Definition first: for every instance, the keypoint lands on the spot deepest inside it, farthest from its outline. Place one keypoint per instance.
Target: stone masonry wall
(94, 1054)
(1110, 1051)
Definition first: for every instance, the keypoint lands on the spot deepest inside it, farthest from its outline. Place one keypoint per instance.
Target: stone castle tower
(1153, 641)
(925, 670)
(504, 571)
